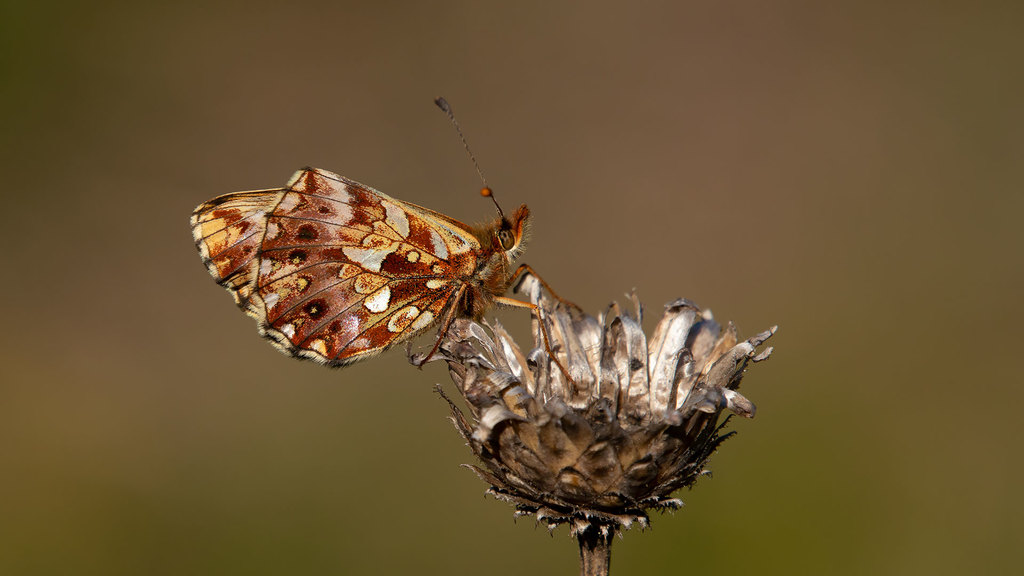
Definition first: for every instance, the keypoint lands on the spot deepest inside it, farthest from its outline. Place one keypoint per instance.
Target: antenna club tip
(486, 192)
(441, 103)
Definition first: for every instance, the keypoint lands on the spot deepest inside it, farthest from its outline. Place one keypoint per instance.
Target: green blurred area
(850, 171)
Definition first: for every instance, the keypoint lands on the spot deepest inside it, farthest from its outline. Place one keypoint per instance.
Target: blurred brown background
(851, 171)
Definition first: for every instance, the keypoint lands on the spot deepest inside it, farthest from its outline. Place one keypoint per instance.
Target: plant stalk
(595, 549)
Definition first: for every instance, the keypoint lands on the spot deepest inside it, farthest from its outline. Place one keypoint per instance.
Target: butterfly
(336, 271)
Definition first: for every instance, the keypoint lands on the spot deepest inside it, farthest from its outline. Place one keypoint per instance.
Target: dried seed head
(637, 421)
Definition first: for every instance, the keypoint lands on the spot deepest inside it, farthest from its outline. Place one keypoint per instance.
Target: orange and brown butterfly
(336, 271)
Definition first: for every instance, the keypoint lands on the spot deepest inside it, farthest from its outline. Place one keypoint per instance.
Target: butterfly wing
(345, 271)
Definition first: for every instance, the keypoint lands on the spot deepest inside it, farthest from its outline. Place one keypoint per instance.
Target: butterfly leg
(543, 328)
(446, 323)
(524, 269)
(518, 276)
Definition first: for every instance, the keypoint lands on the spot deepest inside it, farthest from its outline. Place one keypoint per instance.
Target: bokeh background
(851, 171)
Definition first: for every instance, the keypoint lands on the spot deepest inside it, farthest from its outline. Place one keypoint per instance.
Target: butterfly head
(509, 233)
(512, 232)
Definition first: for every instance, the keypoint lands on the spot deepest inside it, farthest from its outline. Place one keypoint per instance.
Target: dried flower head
(636, 422)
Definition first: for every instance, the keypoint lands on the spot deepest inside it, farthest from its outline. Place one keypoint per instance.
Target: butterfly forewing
(334, 270)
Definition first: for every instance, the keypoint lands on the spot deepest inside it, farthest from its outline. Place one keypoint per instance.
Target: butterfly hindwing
(345, 271)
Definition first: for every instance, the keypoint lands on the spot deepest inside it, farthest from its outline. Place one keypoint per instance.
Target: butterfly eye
(506, 239)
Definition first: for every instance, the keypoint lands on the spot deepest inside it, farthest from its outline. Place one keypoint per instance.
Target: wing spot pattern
(423, 320)
(319, 346)
(378, 301)
(396, 219)
(440, 248)
(349, 271)
(288, 330)
(402, 318)
(366, 283)
(369, 258)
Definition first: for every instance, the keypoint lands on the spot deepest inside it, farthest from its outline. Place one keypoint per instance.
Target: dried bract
(637, 420)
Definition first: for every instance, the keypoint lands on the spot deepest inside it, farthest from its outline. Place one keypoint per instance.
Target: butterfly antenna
(486, 190)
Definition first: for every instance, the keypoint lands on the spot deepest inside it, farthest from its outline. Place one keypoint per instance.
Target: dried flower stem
(595, 550)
